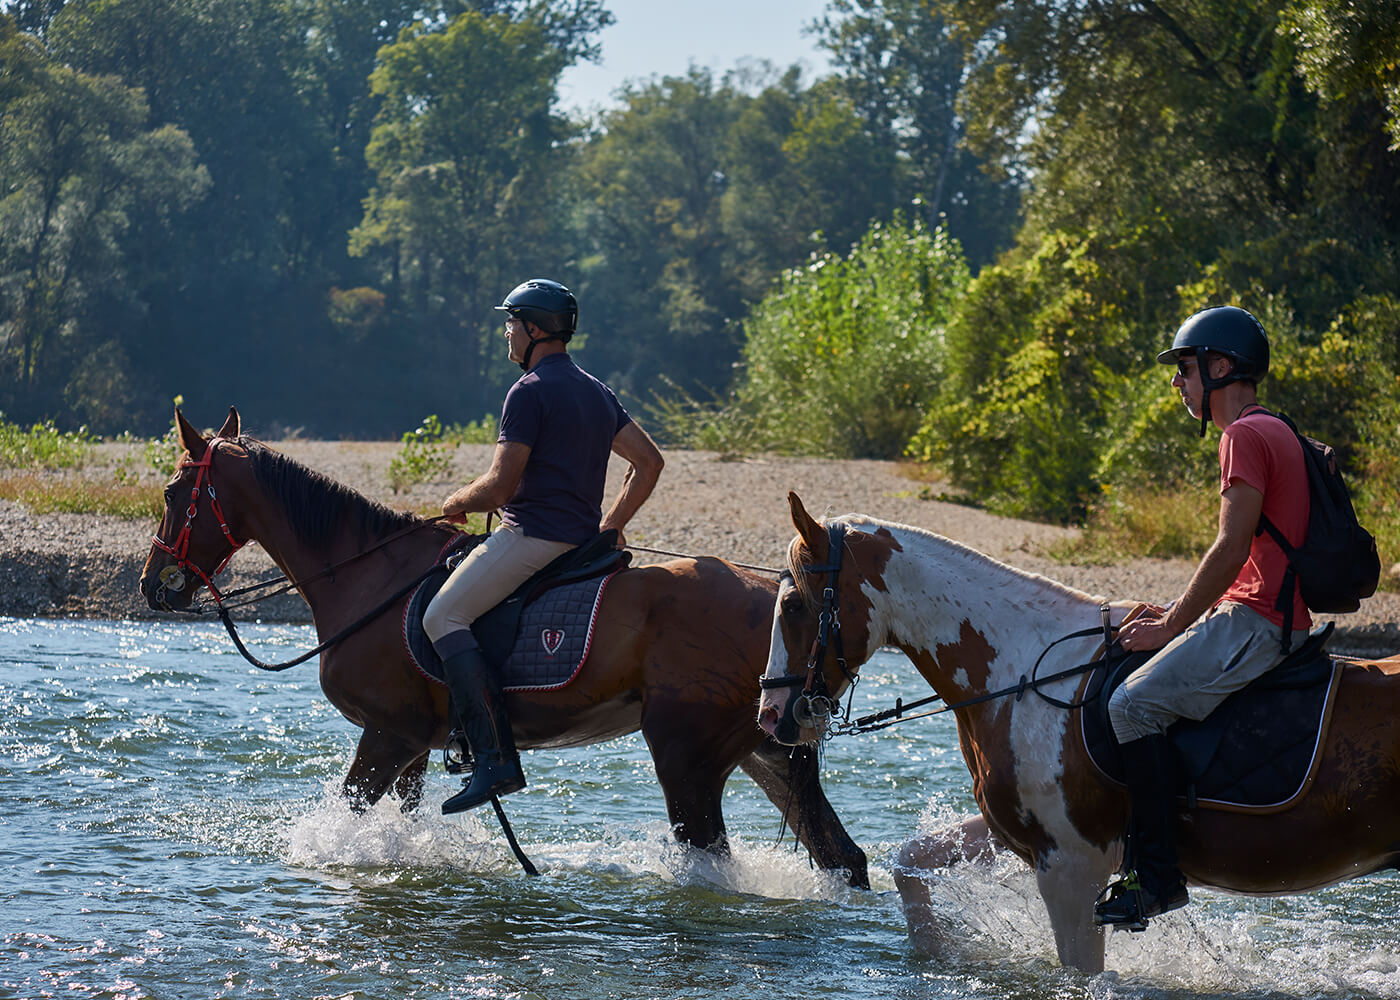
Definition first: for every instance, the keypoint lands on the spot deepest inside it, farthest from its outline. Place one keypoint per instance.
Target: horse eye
(792, 605)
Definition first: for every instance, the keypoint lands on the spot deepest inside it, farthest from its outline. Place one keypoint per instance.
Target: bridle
(815, 706)
(172, 578)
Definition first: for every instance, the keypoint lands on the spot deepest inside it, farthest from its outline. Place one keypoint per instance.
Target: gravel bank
(84, 566)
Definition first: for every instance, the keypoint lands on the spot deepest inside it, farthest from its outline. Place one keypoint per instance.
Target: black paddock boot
(481, 714)
(1153, 884)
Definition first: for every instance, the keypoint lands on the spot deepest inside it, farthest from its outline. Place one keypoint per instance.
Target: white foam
(326, 835)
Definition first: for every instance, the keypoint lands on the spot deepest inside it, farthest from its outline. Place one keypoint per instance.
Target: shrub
(424, 457)
(841, 356)
(42, 446)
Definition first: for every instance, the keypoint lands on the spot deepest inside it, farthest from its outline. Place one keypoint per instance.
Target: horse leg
(693, 805)
(1068, 884)
(408, 786)
(971, 840)
(790, 777)
(379, 760)
(692, 782)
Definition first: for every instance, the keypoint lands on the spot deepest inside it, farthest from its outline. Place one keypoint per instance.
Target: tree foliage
(83, 172)
(1182, 153)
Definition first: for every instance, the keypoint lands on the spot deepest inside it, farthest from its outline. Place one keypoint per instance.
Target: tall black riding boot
(481, 714)
(1155, 884)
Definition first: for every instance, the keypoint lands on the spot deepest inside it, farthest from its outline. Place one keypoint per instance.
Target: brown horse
(973, 626)
(676, 653)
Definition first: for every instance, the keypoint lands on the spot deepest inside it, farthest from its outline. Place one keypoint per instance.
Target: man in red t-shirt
(1224, 630)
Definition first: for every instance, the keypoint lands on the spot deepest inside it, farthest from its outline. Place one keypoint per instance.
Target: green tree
(695, 194)
(81, 165)
(1179, 157)
(1349, 50)
(467, 150)
(904, 70)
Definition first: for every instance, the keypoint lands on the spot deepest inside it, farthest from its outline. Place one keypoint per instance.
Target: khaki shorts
(1196, 671)
(486, 577)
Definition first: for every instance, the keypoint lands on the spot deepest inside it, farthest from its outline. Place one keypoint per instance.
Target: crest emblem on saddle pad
(552, 639)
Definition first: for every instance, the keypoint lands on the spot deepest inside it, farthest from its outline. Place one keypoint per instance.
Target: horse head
(194, 537)
(825, 625)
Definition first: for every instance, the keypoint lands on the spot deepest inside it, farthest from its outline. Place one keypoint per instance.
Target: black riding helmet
(1227, 330)
(548, 305)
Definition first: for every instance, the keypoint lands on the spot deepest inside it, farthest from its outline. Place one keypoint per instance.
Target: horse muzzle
(795, 719)
(167, 590)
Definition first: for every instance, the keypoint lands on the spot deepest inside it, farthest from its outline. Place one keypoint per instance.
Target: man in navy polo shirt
(558, 426)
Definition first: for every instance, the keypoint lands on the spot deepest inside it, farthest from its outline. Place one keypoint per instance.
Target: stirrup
(1121, 905)
(457, 753)
(1125, 903)
(489, 779)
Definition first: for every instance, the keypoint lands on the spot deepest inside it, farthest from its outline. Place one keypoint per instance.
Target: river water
(170, 827)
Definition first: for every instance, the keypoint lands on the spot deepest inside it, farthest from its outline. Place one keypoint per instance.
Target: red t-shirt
(1259, 450)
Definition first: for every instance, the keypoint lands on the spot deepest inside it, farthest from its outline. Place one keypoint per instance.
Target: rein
(891, 716)
(691, 555)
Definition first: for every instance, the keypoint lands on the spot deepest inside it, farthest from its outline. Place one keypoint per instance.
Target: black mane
(316, 506)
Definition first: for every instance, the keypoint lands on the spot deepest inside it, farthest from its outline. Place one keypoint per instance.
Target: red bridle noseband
(173, 577)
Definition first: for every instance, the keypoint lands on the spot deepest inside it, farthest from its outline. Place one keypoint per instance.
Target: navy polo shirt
(569, 419)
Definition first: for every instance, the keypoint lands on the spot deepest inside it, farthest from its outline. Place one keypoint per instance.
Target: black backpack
(1337, 565)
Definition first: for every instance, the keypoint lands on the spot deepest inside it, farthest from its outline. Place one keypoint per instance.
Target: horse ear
(813, 534)
(192, 441)
(230, 430)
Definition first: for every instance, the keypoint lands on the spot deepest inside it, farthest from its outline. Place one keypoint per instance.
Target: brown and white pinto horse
(971, 626)
(676, 652)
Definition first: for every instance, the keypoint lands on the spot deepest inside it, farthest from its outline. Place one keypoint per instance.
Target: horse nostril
(768, 719)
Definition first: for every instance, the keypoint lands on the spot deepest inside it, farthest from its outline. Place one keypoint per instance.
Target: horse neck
(968, 622)
(283, 535)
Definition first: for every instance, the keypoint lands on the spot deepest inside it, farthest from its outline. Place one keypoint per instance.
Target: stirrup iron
(457, 754)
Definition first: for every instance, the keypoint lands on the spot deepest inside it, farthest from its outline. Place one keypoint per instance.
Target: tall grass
(1152, 522)
(42, 495)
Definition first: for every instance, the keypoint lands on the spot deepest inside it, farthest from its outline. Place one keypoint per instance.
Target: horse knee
(970, 840)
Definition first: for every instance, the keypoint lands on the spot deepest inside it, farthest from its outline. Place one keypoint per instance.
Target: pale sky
(664, 37)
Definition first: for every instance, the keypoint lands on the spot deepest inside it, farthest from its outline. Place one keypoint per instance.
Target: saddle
(1256, 753)
(537, 638)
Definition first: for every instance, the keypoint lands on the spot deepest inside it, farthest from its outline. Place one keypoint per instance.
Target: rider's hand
(1151, 631)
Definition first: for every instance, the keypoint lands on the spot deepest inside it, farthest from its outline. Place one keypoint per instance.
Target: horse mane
(798, 553)
(315, 505)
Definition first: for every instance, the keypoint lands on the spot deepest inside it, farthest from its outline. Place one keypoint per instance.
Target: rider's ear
(192, 441)
(230, 430)
(813, 534)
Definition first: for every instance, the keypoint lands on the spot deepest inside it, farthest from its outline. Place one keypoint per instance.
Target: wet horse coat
(677, 654)
(972, 625)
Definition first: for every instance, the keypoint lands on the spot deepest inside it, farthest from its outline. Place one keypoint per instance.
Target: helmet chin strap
(525, 361)
(1208, 384)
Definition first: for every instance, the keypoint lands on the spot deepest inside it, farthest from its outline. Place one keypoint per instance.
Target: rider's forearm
(1212, 578)
(636, 487)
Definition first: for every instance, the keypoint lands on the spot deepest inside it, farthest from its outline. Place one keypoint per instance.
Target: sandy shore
(85, 566)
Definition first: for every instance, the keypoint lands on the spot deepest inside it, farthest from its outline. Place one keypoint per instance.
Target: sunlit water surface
(171, 828)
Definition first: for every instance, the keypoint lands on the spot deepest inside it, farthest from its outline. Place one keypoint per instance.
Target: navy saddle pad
(1257, 752)
(539, 637)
